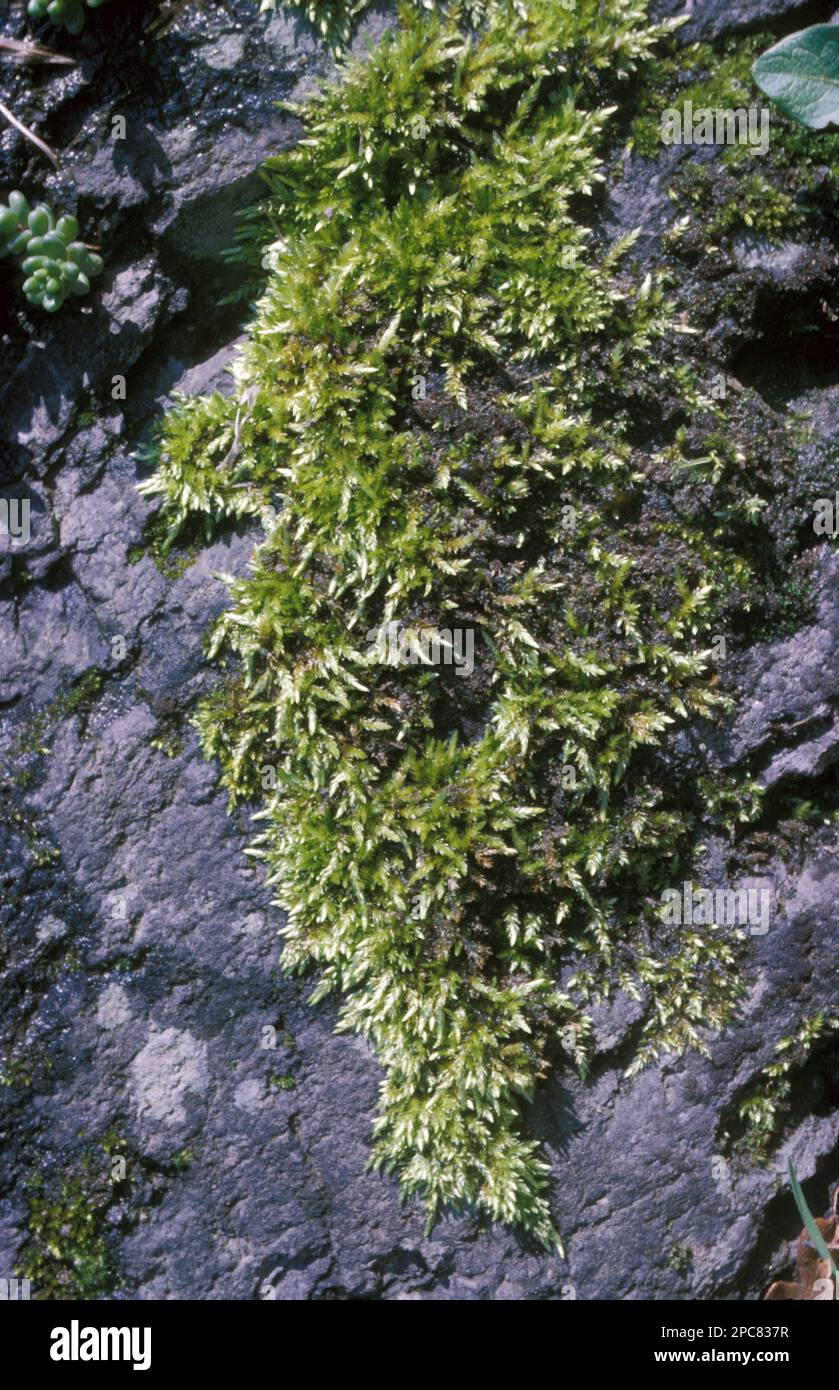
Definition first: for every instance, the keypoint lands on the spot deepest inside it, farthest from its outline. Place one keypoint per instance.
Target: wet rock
(787, 721)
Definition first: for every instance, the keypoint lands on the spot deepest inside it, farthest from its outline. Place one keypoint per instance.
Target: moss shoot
(764, 1108)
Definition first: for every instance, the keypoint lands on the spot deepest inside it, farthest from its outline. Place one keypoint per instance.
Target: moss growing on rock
(68, 1254)
(76, 700)
(172, 555)
(764, 1108)
(743, 189)
(457, 412)
(79, 1203)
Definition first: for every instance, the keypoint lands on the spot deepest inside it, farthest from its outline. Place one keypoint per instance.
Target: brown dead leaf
(814, 1273)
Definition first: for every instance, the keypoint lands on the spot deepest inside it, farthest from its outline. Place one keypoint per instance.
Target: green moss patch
(756, 1126)
(172, 555)
(773, 194)
(458, 411)
(69, 1254)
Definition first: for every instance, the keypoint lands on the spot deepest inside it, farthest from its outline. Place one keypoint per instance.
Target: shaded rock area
(140, 990)
(712, 19)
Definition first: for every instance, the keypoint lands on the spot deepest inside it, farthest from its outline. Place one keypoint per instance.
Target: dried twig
(13, 51)
(166, 16)
(29, 134)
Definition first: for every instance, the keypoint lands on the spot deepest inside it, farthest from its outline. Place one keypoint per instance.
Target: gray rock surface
(713, 19)
(139, 951)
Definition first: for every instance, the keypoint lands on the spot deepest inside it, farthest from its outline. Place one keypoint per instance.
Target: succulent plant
(54, 261)
(70, 13)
